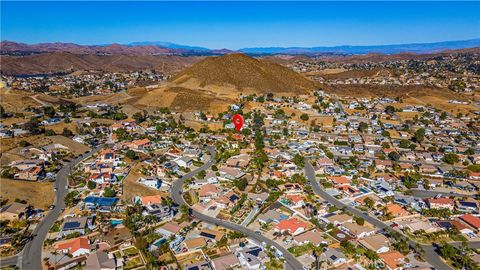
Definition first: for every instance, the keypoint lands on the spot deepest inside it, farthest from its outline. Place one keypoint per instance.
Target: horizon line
(257, 47)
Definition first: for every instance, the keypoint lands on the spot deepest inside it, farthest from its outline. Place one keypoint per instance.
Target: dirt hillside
(242, 73)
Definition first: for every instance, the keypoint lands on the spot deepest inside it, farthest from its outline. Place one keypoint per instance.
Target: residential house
(169, 229)
(292, 226)
(230, 173)
(32, 174)
(151, 182)
(313, 236)
(102, 204)
(252, 258)
(396, 210)
(184, 162)
(14, 211)
(100, 260)
(377, 242)
(337, 219)
(271, 216)
(75, 247)
(139, 145)
(103, 178)
(440, 203)
(334, 257)
(201, 265)
(471, 220)
(226, 261)
(393, 260)
(208, 192)
(75, 225)
(195, 243)
(359, 231)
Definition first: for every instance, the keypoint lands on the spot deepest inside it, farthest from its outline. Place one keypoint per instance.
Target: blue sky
(236, 25)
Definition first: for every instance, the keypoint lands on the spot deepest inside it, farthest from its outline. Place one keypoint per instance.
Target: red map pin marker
(237, 121)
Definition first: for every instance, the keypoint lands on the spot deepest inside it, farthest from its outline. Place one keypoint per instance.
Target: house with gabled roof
(76, 247)
(292, 226)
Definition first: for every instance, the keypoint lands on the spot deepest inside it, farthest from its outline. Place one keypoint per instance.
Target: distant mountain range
(169, 45)
(168, 48)
(383, 49)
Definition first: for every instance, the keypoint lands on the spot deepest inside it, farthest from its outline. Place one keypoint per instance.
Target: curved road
(31, 255)
(430, 254)
(176, 193)
(419, 193)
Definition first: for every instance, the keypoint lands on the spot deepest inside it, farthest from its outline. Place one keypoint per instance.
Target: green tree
(241, 183)
(404, 143)
(369, 202)
(66, 132)
(474, 168)
(299, 160)
(131, 154)
(32, 125)
(360, 221)
(450, 158)
(91, 185)
(394, 156)
(419, 135)
(304, 117)
(49, 111)
(362, 126)
(109, 193)
(184, 209)
(24, 143)
(49, 132)
(139, 117)
(389, 109)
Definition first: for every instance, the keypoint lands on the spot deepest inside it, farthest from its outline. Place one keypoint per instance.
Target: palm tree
(317, 252)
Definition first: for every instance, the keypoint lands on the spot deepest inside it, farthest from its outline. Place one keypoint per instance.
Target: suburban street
(432, 193)
(31, 255)
(431, 255)
(177, 191)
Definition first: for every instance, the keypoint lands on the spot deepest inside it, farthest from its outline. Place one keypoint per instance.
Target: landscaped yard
(300, 250)
(131, 251)
(133, 263)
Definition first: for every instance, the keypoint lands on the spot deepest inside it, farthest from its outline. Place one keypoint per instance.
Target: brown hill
(66, 62)
(239, 72)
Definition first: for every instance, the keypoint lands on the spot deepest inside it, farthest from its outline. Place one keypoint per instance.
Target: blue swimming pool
(116, 222)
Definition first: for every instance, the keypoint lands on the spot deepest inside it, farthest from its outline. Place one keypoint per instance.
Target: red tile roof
(154, 199)
(295, 198)
(440, 201)
(471, 220)
(339, 179)
(74, 245)
(291, 225)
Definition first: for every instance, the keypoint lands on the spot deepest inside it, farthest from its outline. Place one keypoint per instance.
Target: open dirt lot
(38, 194)
(16, 101)
(8, 144)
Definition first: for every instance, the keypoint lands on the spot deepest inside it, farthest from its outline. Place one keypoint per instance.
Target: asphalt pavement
(419, 193)
(177, 191)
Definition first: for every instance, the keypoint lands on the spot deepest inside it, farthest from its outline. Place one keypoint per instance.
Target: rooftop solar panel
(209, 235)
(255, 251)
(71, 225)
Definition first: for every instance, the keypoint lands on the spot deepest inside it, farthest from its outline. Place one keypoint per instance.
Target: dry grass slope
(243, 73)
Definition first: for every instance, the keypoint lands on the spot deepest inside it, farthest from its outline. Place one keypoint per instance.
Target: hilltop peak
(240, 72)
